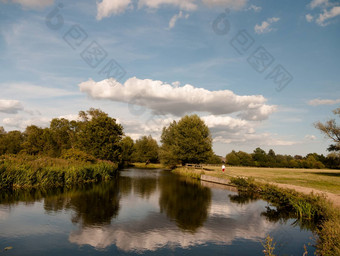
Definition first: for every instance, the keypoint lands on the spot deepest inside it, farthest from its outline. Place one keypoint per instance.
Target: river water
(148, 212)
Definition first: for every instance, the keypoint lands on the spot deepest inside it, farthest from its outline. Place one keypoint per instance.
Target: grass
(25, 171)
(322, 179)
(193, 173)
(148, 166)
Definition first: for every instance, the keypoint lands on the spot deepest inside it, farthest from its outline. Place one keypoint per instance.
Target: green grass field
(322, 179)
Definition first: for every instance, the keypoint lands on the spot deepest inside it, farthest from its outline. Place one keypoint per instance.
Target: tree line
(95, 135)
(259, 158)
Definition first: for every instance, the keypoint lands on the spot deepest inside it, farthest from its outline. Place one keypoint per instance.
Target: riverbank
(310, 207)
(148, 166)
(25, 172)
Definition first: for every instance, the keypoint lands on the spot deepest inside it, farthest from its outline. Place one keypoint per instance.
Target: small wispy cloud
(318, 3)
(317, 102)
(254, 8)
(265, 26)
(174, 19)
(309, 17)
(310, 137)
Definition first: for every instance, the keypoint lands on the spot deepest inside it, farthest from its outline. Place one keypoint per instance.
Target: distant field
(321, 179)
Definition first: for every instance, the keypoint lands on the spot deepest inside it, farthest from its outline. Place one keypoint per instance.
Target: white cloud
(310, 137)
(309, 17)
(326, 15)
(174, 19)
(108, 7)
(176, 83)
(10, 106)
(164, 98)
(317, 102)
(254, 8)
(233, 4)
(318, 3)
(33, 4)
(265, 26)
(188, 5)
(329, 10)
(21, 123)
(258, 139)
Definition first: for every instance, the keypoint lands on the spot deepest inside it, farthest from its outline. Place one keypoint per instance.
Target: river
(149, 212)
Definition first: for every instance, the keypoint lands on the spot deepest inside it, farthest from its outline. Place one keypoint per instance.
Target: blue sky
(259, 73)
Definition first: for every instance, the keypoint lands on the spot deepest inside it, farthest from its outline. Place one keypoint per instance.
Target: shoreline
(307, 204)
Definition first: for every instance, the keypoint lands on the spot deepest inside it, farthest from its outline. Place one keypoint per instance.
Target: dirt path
(335, 199)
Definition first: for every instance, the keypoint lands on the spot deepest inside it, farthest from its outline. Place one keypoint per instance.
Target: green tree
(331, 130)
(100, 135)
(146, 150)
(2, 140)
(187, 141)
(260, 157)
(34, 140)
(11, 142)
(127, 146)
(214, 159)
(62, 132)
(232, 158)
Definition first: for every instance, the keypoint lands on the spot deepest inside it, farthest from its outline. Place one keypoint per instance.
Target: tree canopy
(188, 141)
(146, 150)
(95, 134)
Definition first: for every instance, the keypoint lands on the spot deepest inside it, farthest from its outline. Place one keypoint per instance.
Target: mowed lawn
(321, 179)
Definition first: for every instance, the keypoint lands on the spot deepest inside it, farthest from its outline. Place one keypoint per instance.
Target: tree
(11, 142)
(245, 158)
(127, 146)
(260, 157)
(215, 159)
(100, 135)
(331, 130)
(188, 141)
(232, 158)
(146, 150)
(34, 141)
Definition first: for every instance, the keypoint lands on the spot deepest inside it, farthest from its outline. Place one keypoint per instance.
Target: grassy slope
(322, 179)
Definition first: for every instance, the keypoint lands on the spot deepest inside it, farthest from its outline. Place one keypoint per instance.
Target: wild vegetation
(26, 171)
(311, 207)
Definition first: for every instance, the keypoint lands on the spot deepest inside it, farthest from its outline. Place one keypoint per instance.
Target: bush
(78, 155)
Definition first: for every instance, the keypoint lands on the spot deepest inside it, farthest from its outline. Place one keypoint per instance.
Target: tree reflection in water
(143, 186)
(184, 201)
(92, 205)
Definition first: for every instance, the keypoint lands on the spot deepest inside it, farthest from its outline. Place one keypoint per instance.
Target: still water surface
(149, 212)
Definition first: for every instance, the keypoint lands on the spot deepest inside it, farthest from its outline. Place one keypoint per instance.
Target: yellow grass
(322, 179)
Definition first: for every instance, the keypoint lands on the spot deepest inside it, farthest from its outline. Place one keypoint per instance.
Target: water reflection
(184, 201)
(149, 210)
